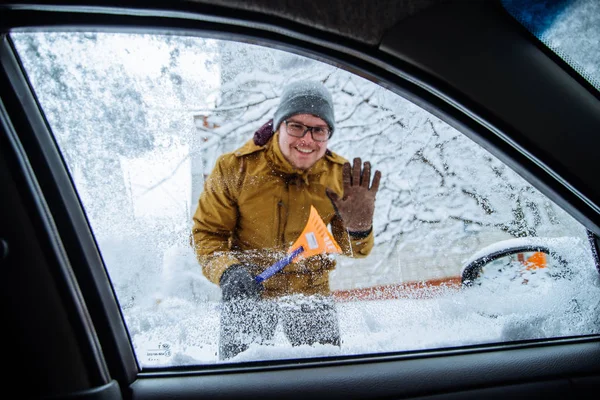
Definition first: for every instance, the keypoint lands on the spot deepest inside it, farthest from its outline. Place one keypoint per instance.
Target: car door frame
(555, 366)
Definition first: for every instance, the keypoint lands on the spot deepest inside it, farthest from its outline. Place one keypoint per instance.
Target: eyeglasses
(318, 133)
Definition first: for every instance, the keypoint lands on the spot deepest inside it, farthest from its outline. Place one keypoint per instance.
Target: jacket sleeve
(357, 247)
(215, 219)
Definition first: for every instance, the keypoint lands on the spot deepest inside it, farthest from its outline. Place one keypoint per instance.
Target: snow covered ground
(180, 325)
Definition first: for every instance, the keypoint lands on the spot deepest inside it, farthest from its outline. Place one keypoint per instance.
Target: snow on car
(185, 314)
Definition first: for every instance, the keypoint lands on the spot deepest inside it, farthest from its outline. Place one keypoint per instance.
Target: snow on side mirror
(517, 260)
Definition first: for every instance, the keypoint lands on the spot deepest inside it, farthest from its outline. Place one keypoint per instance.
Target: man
(256, 203)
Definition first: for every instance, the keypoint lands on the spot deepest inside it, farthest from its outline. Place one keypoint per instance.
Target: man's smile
(304, 150)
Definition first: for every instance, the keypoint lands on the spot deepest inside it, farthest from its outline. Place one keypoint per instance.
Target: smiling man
(256, 203)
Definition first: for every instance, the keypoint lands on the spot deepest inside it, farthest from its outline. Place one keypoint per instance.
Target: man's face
(302, 152)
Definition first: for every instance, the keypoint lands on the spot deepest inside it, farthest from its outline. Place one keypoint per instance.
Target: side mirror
(514, 260)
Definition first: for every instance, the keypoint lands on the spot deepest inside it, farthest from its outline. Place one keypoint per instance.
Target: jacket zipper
(280, 222)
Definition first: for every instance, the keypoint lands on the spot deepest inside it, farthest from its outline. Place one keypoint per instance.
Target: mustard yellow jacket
(253, 208)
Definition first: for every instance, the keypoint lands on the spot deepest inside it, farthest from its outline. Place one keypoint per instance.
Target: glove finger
(347, 177)
(252, 289)
(366, 175)
(376, 179)
(356, 172)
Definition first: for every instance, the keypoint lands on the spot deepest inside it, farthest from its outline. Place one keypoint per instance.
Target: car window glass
(570, 28)
(141, 121)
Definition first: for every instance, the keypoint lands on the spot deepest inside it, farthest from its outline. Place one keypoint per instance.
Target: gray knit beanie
(305, 97)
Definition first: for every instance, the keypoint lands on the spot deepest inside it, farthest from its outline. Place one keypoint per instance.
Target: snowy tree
(434, 176)
(111, 99)
(133, 98)
(91, 105)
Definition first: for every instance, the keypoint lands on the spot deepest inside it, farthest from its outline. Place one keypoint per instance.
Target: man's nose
(308, 135)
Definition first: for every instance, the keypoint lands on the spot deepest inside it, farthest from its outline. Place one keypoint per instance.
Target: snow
(569, 28)
(138, 159)
(449, 317)
(563, 246)
(185, 316)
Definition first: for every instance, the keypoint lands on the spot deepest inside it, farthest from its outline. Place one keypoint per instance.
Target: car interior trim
(69, 221)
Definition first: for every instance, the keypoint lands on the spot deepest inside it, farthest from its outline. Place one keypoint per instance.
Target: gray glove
(237, 283)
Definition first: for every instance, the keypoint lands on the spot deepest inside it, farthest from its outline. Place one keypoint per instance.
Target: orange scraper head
(315, 238)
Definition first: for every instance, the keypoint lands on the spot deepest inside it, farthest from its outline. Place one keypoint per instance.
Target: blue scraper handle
(278, 266)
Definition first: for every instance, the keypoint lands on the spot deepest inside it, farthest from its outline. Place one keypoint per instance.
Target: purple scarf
(264, 133)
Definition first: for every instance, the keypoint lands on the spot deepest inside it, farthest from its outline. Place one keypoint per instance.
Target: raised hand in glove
(237, 283)
(357, 205)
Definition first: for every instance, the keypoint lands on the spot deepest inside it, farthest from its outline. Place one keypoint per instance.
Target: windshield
(158, 134)
(570, 28)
